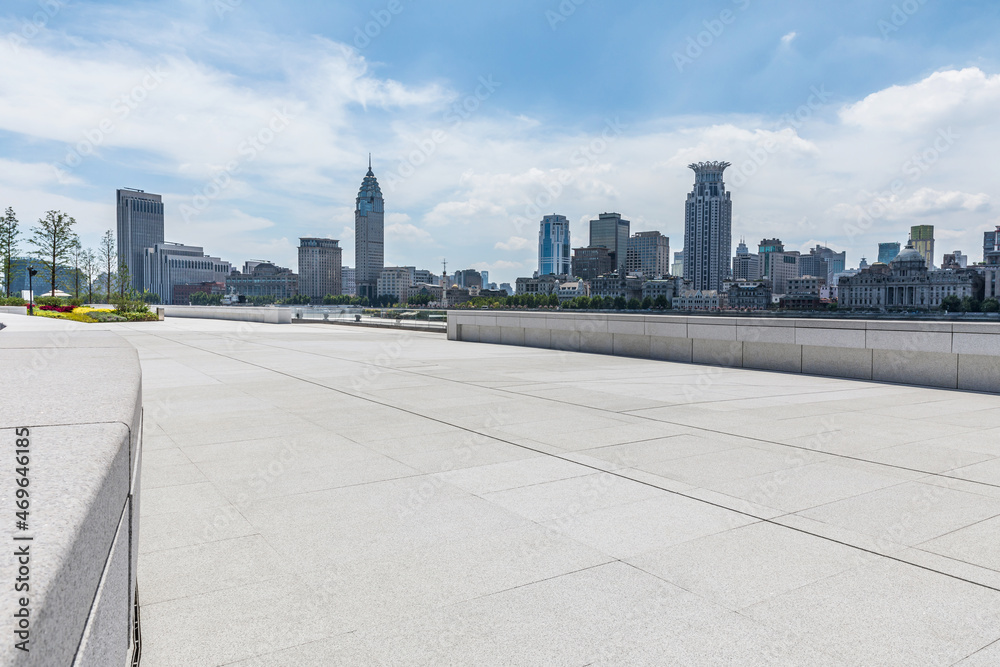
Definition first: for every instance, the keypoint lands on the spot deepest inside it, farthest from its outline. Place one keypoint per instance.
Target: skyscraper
(677, 268)
(746, 265)
(887, 252)
(320, 266)
(611, 231)
(648, 254)
(369, 236)
(923, 242)
(553, 246)
(140, 226)
(708, 222)
(766, 248)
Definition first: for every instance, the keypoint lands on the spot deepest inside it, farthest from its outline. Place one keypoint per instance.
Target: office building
(182, 294)
(677, 269)
(765, 248)
(369, 236)
(955, 260)
(700, 300)
(923, 242)
(887, 252)
(469, 278)
(167, 265)
(782, 267)
(347, 284)
(553, 246)
(746, 265)
(540, 285)
(140, 226)
(263, 279)
(990, 267)
(320, 266)
(907, 284)
(612, 232)
(754, 295)
(589, 263)
(648, 255)
(806, 285)
(423, 276)
(486, 279)
(708, 221)
(822, 262)
(396, 281)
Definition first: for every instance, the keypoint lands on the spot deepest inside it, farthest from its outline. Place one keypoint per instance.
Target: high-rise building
(677, 269)
(611, 231)
(746, 265)
(765, 248)
(396, 281)
(955, 260)
(140, 226)
(347, 284)
(168, 265)
(823, 262)
(923, 242)
(425, 277)
(553, 246)
(991, 263)
(263, 279)
(887, 252)
(648, 254)
(486, 279)
(369, 236)
(708, 221)
(320, 266)
(469, 278)
(590, 263)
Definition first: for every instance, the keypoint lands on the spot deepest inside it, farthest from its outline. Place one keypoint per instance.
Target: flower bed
(92, 315)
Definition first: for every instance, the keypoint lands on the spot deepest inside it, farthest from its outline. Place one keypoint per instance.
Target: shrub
(48, 301)
(104, 316)
(12, 301)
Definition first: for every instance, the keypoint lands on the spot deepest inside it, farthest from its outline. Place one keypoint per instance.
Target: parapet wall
(71, 406)
(955, 355)
(237, 313)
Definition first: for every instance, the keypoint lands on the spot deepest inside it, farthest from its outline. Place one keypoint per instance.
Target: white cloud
(513, 243)
(787, 39)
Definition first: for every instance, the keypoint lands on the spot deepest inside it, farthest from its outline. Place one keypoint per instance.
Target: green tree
(661, 303)
(971, 305)
(109, 256)
(647, 303)
(620, 303)
(991, 306)
(8, 246)
(76, 255)
(634, 304)
(54, 240)
(552, 301)
(951, 304)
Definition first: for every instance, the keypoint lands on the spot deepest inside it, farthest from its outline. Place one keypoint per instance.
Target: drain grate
(136, 633)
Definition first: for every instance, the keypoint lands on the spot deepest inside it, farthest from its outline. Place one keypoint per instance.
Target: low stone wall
(72, 397)
(955, 355)
(237, 313)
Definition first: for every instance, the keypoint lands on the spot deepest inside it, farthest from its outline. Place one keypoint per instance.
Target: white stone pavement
(317, 495)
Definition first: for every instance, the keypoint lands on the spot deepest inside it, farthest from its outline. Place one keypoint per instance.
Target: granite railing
(958, 355)
(70, 451)
(239, 313)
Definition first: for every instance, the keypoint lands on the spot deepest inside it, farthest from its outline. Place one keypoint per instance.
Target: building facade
(749, 296)
(182, 293)
(369, 236)
(396, 281)
(553, 246)
(656, 288)
(746, 265)
(700, 300)
(782, 267)
(708, 221)
(347, 283)
(140, 226)
(822, 262)
(612, 232)
(923, 242)
(614, 286)
(907, 284)
(469, 278)
(648, 255)
(320, 265)
(888, 252)
(677, 268)
(589, 263)
(540, 285)
(166, 265)
(811, 285)
(264, 279)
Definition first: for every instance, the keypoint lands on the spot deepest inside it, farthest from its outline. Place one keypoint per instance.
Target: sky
(845, 123)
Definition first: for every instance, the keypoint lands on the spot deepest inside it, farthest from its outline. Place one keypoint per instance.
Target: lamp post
(31, 290)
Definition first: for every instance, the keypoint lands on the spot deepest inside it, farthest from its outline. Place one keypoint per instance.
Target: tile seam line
(700, 500)
(613, 412)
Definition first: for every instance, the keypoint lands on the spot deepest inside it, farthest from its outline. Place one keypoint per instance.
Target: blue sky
(588, 106)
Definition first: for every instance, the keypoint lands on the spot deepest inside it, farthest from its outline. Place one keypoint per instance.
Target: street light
(31, 290)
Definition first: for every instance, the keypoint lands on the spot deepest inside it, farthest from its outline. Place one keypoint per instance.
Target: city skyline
(249, 157)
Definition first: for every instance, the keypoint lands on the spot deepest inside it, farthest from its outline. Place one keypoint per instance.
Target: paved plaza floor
(320, 495)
